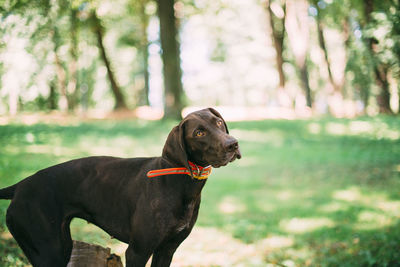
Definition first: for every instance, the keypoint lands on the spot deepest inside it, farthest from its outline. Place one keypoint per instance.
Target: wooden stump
(88, 255)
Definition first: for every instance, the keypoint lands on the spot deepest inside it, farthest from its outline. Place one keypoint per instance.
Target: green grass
(321, 192)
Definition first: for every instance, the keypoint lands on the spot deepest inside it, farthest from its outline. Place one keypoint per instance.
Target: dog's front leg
(165, 251)
(135, 257)
(163, 256)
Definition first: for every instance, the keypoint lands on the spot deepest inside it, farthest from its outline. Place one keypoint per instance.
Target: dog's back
(8, 192)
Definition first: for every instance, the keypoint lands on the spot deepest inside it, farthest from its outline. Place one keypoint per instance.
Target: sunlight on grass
(230, 205)
(381, 211)
(333, 207)
(351, 194)
(101, 146)
(376, 129)
(378, 200)
(393, 207)
(303, 225)
(336, 128)
(265, 206)
(384, 131)
(314, 128)
(275, 242)
(397, 168)
(40, 149)
(208, 246)
(285, 195)
(248, 161)
(119, 146)
(368, 220)
(50, 149)
(272, 137)
(359, 127)
(30, 138)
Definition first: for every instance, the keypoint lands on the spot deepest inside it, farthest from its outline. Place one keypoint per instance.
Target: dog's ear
(175, 149)
(216, 113)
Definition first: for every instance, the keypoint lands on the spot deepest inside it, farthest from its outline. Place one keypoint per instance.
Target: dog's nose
(231, 145)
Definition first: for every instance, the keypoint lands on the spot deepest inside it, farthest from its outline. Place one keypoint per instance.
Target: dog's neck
(195, 171)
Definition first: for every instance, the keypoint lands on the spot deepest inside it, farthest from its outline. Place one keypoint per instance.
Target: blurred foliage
(52, 45)
(320, 192)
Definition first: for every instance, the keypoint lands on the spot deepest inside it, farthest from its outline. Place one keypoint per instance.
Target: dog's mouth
(229, 157)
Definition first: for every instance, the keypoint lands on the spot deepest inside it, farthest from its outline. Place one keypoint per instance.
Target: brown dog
(149, 203)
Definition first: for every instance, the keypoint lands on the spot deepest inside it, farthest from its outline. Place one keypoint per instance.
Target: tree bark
(379, 69)
(144, 19)
(346, 41)
(89, 255)
(277, 40)
(99, 31)
(60, 72)
(306, 84)
(298, 33)
(322, 44)
(73, 64)
(52, 96)
(171, 59)
(381, 73)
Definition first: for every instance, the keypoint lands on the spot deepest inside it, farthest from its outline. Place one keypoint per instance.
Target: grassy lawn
(320, 192)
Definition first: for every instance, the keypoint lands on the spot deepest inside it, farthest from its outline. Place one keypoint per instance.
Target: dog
(149, 203)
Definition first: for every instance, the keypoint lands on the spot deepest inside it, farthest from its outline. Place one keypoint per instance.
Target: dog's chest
(185, 222)
(174, 220)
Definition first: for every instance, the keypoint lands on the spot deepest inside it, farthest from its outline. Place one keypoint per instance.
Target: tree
(277, 24)
(297, 29)
(73, 63)
(144, 47)
(277, 15)
(116, 90)
(171, 59)
(61, 75)
(380, 68)
(322, 44)
(136, 36)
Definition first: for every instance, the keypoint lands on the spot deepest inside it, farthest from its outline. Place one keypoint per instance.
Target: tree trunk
(144, 19)
(88, 255)
(379, 69)
(383, 99)
(322, 44)
(73, 64)
(99, 31)
(306, 84)
(346, 41)
(60, 72)
(277, 40)
(52, 96)
(171, 59)
(298, 33)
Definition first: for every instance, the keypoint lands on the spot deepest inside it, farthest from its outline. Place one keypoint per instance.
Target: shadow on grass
(11, 254)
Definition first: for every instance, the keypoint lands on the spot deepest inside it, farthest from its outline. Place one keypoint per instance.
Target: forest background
(320, 57)
(309, 88)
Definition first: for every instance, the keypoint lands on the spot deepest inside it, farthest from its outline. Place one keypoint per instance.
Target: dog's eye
(200, 133)
(219, 123)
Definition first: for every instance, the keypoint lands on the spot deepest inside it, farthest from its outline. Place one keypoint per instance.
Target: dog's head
(202, 137)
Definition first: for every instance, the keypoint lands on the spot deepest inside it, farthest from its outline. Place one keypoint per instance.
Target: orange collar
(199, 173)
